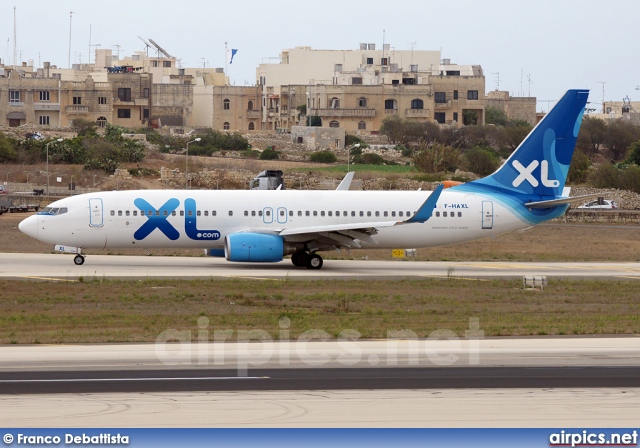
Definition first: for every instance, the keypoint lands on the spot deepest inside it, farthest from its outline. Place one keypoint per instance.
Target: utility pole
(69, 56)
(603, 83)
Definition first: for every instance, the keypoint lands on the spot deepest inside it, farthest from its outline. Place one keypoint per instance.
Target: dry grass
(103, 311)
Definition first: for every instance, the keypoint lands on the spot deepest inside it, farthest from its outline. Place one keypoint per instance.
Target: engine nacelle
(254, 247)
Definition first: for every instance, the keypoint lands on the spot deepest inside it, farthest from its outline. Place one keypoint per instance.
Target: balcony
(416, 112)
(447, 105)
(16, 104)
(359, 112)
(77, 110)
(391, 111)
(254, 113)
(46, 106)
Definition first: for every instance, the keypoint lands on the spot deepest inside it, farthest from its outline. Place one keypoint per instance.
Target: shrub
(437, 158)
(482, 161)
(325, 156)
(269, 154)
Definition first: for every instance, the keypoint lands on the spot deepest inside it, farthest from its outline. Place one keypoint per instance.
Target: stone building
(516, 108)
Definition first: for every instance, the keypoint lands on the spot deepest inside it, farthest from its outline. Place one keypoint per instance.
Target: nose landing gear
(78, 259)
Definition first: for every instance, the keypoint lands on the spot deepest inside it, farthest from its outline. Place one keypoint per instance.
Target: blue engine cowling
(255, 247)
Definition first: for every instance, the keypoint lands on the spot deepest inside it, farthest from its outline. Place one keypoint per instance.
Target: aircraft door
(487, 215)
(96, 218)
(282, 215)
(267, 215)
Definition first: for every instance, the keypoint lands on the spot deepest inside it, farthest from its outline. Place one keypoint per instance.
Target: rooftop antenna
(603, 83)
(204, 62)
(118, 47)
(15, 47)
(530, 82)
(146, 44)
(413, 45)
(69, 56)
(160, 49)
(497, 80)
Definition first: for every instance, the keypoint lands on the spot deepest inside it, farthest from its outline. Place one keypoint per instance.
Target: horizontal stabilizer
(560, 201)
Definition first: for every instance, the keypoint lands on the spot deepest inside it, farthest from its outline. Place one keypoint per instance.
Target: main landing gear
(78, 259)
(308, 260)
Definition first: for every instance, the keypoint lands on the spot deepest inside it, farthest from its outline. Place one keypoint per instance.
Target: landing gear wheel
(314, 261)
(299, 258)
(78, 260)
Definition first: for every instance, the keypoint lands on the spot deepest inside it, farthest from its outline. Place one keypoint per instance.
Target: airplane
(267, 225)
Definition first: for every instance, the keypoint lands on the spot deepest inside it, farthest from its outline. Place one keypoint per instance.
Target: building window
(440, 117)
(166, 64)
(337, 68)
(472, 94)
(145, 113)
(417, 104)
(77, 100)
(362, 125)
(43, 119)
(453, 72)
(455, 94)
(14, 96)
(356, 80)
(384, 61)
(102, 100)
(362, 102)
(334, 103)
(124, 93)
(334, 124)
(440, 97)
(156, 63)
(250, 105)
(389, 104)
(226, 126)
(252, 126)
(369, 61)
(44, 95)
(145, 92)
(455, 117)
(226, 104)
(124, 113)
(102, 122)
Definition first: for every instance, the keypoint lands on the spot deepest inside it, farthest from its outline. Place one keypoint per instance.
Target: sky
(539, 48)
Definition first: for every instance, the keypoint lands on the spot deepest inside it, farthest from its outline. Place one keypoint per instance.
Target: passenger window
(453, 214)
(268, 213)
(400, 214)
(330, 213)
(253, 213)
(135, 213)
(113, 213)
(459, 214)
(281, 212)
(300, 213)
(173, 213)
(206, 213)
(198, 213)
(345, 213)
(213, 213)
(246, 213)
(437, 214)
(368, 213)
(190, 213)
(444, 214)
(377, 214)
(315, 213)
(127, 213)
(386, 214)
(231, 212)
(181, 212)
(322, 213)
(354, 213)
(337, 213)
(307, 213)
(119, 212)
(291, 212)
(166, 213)
(259, 212)
(361, 213)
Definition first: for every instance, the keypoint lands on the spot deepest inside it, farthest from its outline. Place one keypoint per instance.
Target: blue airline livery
(265, 226)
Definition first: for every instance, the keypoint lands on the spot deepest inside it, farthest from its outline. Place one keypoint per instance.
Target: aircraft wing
(560, 201)
(346, 234)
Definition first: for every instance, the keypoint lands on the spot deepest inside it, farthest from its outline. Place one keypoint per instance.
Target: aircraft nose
(29, 226)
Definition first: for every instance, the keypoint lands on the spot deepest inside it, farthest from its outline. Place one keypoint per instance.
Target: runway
(512, 382)
(60, 266)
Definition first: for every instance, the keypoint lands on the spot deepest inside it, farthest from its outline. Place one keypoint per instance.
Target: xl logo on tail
(526, 173)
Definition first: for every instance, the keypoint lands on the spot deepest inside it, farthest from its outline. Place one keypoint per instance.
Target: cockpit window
(54, 211)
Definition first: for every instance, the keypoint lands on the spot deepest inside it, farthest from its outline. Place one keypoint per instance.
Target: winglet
(426, 210)
(346, 182)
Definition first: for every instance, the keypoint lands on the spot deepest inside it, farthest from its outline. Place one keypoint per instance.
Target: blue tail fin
(539, 166)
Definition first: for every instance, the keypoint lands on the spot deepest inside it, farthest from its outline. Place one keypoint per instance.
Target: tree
(85, 128)
(495, 116)
(393, 128)
(7, 150)
(513, 135)
(481, 160)
(579, 168)
(592, 135)
(269, 154)
(634, 153)
(620, 135)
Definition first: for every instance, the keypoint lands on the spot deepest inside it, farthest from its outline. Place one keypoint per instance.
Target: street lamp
(58, 140)
(357, 145)
(186, 163)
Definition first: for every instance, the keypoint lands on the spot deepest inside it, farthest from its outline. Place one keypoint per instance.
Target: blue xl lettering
(190, 224)
(157, 219)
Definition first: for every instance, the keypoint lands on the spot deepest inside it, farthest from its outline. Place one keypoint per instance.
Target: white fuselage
(116, 219)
